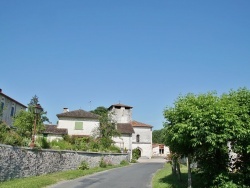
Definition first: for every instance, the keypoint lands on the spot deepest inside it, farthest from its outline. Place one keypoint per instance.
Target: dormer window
(138, 138)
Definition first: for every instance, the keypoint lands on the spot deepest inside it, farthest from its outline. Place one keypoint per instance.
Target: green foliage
(9, 136)
(103, 163)
(133, 160)
(24, 120)
(202, 125)
(136, 153)
(101, 111)
(124, 162)
(43, 142)
(157, 136)
(83, 166)
(61, 144)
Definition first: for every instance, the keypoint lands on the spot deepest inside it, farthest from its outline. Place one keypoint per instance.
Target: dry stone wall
(18, 162)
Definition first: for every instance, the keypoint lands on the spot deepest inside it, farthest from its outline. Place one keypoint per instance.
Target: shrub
(12, 138)
(124, 162)
(60, 144)
(136, 153)
(43, 143)
(133, 160)
(114, 149)
(84, 166)
(102, 163)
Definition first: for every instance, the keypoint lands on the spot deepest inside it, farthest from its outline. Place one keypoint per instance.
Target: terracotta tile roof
(139, 124)
(1, 93)
(78, 114)
(125, 128)
(120, 105)
(52, 129)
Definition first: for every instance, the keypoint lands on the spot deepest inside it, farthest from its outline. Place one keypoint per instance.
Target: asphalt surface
(137, 175)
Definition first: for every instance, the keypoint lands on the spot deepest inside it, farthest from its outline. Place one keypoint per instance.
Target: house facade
(160, 150)
(142, 138)
(134, 134)
(78, 122)
(9, 107)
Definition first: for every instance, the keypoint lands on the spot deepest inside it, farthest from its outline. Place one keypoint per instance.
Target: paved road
(134, 176)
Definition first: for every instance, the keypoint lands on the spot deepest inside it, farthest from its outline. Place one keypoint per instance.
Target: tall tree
(157, 136)
(24, 120)
(107, 128)
(197, 126)
(240, 141)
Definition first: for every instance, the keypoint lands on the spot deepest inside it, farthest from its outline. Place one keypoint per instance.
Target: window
(78, 125)
(161, 151)
(138, 138)
(2, 105)
(12, 111)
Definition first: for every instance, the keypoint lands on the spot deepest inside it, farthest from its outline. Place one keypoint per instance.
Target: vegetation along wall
(18, 162)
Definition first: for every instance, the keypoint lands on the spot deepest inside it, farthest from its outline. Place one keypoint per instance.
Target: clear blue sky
(141, 53)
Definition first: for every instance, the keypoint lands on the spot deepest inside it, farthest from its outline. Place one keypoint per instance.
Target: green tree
(239, 103)
(107, 128)
(24, 120)
(101, 110)
(157, 136)
(198, 126)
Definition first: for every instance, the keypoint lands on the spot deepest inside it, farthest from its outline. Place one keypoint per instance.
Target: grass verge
(49, 179)
(164, 178)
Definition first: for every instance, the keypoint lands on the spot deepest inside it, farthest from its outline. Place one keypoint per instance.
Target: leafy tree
(101, 110)
(107, 128)
(157, 136)
(240, 141)
(199, 126)
(24, 120)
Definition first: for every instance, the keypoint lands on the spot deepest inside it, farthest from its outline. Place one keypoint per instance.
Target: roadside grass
(49, 179)
(164, 178)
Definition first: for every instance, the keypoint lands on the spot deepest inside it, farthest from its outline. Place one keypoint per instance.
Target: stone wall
(18, 162)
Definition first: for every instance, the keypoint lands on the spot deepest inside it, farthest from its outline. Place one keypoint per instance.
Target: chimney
(0, 90)
(65, 110)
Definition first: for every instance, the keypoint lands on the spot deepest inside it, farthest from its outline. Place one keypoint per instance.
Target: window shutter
(78, 125)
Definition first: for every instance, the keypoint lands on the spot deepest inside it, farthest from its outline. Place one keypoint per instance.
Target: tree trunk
(178, 170)
(189, 172)
(173, 165)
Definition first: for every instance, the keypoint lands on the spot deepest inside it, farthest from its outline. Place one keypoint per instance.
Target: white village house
(134, 135)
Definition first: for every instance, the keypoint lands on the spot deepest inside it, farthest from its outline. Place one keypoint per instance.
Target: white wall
(54, 137)
(123, 142)
(145, 144)
(157, 149)
(69, 123)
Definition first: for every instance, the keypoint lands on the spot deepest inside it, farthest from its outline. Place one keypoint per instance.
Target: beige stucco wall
(69, 123)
